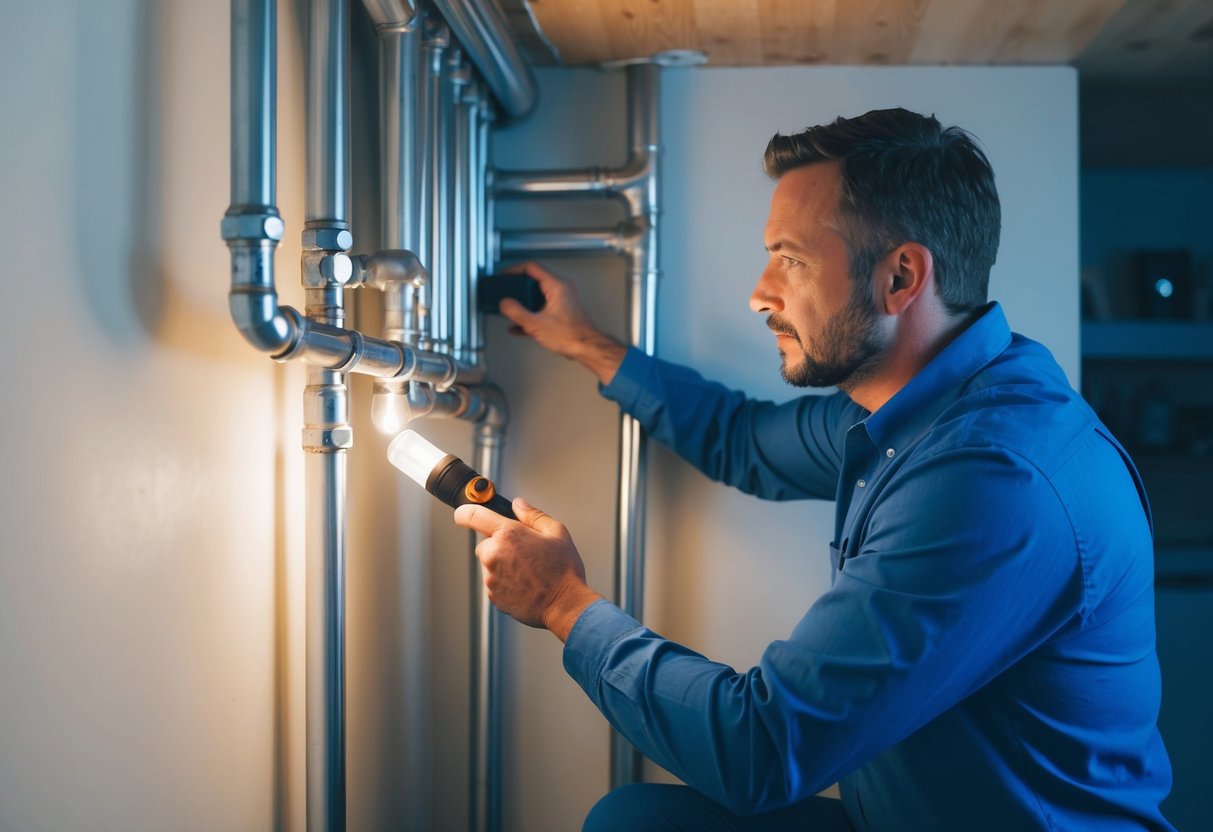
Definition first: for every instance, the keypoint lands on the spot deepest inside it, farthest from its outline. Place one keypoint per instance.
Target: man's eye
(791, 261)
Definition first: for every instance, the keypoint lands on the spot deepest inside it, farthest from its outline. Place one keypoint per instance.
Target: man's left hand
(533, 571)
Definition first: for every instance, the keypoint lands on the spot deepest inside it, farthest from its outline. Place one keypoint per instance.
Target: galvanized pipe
(251, 226)
(485, 722)
(636, 184)
(480, 26)
(435, 182)
(460, 308)
(327, 435)
(390, 15)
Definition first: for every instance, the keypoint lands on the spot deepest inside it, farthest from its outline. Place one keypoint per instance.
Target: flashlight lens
(414, 455)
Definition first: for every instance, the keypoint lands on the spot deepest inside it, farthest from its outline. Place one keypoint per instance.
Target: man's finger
(538, 520)
(480, 519)
(515, 312)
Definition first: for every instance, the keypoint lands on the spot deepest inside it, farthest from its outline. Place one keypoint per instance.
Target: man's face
(826, 327)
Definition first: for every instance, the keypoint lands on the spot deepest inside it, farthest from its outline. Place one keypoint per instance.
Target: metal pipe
(620, 240)
(460, 308)
(390, 15)
(485, 722)
(435, 182)
(327, 435)
(643, 82)
(480, 26)
(251, 226)
(328, 113)
(636, 184)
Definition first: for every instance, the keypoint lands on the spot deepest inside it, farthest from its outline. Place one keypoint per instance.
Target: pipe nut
(328, 239)
(252, 227)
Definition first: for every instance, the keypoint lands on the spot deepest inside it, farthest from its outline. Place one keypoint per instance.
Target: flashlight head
(415, 456)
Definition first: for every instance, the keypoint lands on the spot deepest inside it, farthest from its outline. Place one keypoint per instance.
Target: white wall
(728, 574)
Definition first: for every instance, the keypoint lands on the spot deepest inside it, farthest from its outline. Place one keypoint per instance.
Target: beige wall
(149, 528)
(150, 534)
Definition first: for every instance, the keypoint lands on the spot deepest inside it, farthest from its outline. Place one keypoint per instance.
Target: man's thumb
(531, 516)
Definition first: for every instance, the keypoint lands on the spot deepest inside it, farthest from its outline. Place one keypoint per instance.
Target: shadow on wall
(113, 170)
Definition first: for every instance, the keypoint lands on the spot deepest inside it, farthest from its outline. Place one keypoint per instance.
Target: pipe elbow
(263, 323)
(491, 411)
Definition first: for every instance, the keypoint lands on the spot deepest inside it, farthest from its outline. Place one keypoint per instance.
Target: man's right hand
(562, 325)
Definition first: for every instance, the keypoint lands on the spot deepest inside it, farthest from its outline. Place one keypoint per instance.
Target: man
(984, 659)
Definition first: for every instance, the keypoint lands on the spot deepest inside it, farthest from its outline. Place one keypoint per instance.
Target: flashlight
(444, 475)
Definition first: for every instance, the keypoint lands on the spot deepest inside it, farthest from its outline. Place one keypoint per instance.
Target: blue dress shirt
(984, 658)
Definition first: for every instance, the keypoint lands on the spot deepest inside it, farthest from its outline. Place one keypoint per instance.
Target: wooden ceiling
(1158, 38)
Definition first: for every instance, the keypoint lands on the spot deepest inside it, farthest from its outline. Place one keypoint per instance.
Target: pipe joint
(391, 16)
(391, 267)
(328, 236)
(326, 269)
(251, 226)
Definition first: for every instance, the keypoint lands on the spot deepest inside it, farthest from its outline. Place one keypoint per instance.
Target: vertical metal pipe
(325, 484)
(436, 181)
(485, 727)
(254, 104)
(399, 68)
(643, 273)
(327, 434)
(328, 111)
(458, 78)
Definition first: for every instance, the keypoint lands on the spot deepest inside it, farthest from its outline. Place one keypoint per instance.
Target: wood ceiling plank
(574, 28)
(959, 32)
(642, 28)
(876, 31)
(1043, 31)
(730, 34)
(796, 31)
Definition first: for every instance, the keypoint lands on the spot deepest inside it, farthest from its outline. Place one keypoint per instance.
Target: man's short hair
(907, 179)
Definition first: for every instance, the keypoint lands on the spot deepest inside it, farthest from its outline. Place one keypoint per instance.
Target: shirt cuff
(631, 379)
(589, 644)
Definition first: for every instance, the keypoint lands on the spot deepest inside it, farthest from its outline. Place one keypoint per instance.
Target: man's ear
(903, 275)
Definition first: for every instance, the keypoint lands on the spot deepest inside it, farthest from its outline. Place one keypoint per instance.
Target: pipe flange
(252, 226)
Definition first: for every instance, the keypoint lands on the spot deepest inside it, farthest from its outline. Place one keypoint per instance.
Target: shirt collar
(916, 405)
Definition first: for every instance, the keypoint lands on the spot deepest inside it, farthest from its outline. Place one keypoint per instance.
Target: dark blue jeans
(658, 807)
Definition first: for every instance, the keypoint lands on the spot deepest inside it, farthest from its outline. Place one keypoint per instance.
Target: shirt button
(861, 483)
(889, 453)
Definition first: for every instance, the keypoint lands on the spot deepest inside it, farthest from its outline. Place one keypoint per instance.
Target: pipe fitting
(327, 238)
(252, 226)
(326, 269)
(384, 269)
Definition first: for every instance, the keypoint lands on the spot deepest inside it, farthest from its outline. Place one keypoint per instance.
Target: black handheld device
(494, 288)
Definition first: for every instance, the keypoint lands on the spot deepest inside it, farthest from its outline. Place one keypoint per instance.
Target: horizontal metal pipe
(480, 26)
(548, 243)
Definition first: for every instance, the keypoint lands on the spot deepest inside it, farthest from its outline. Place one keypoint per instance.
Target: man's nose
(764, 298)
